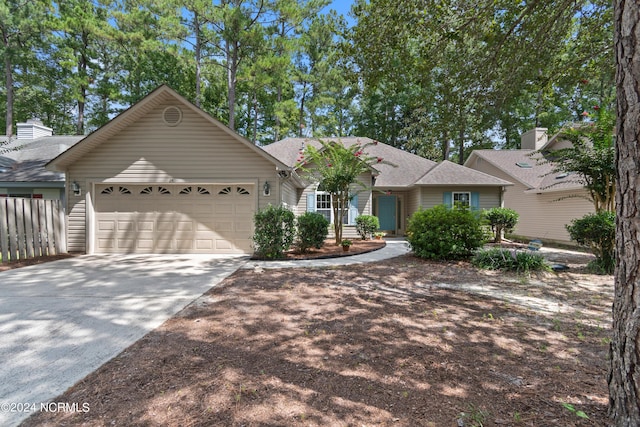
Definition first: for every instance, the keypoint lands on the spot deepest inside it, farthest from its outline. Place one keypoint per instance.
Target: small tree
(366, 225)
(591, 159)
(501, 219)
(312, 231)
(274, 231)
(337, 169)
(598, 233)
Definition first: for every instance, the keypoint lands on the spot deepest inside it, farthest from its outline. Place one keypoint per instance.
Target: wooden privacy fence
(31, 228)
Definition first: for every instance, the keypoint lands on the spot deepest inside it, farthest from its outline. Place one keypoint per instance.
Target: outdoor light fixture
(266, 188)
(75, 187)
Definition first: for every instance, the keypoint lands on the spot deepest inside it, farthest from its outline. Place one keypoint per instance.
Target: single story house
(22, 160)
(545, 201)
(396, 188)
(166, 177)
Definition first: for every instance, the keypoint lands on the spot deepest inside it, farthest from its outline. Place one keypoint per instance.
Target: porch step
(348, 232)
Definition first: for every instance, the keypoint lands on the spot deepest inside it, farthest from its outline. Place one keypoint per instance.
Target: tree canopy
(471, 72)
(590, 161)
(434, 77)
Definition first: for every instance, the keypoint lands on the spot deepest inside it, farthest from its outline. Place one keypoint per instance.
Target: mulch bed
(374, 344)
(331, 250)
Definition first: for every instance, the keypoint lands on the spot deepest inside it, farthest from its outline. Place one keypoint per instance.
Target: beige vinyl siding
(267, 174)
(76, 232)
(365, 199)
(365, 202)
(302, 201)
(149, 151)
(413, 201)
(545, 215)
(542, 216)
(290, 196)
(433, 196)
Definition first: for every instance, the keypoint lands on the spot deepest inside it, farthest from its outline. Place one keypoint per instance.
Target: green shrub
(597, 232)
(501, 219)
(313, 229)
(274, 231)
(366, 225)
(443, 233)
(511, 260)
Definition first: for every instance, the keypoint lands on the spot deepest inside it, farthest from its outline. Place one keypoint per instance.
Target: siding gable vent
(172, 116)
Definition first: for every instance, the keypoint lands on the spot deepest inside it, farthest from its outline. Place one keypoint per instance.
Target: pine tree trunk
(9, 85)
(232, 78)
(302, 99)
(624, 373)
(198, 53)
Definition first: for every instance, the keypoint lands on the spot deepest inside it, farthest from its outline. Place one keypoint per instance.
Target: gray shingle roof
(26, 159)
(409, 169)
(449, 173)
(538, 177)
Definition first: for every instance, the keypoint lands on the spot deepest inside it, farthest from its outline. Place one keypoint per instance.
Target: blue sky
(342, 7)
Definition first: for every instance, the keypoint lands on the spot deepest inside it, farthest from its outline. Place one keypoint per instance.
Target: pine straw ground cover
(404, 342)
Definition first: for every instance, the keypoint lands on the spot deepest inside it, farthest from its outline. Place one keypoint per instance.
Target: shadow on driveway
(60, 321)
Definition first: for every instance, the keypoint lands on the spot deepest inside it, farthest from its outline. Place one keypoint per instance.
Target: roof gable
(130, 116)
(513, 163)
(449, 173)
(539, 176)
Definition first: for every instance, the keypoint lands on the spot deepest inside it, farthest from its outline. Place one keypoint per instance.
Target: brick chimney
(534, 139)
(33, 129)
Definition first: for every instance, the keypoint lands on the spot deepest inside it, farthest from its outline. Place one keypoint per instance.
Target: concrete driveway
(60, 321)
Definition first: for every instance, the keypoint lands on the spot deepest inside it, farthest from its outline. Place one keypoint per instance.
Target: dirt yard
(404, 342)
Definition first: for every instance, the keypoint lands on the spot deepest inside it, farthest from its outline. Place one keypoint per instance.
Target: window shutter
(311, 202)
(448, 199)
(475, 201)
(353, 209)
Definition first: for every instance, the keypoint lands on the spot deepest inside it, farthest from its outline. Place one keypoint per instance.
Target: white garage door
(171, 218)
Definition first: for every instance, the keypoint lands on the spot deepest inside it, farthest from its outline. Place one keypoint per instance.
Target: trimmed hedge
(274, 231)
(443, 233)
(313, 229)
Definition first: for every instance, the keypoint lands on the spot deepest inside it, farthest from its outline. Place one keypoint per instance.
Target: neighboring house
(393, 192)
(545, 201)
(166, 177)
(22, 160)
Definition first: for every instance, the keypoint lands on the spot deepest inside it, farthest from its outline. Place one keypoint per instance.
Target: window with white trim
(323, 204)
(324, 207)
(462, 199)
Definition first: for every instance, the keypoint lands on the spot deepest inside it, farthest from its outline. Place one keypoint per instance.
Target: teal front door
(387, 212)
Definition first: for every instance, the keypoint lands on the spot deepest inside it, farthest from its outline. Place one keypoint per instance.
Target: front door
(387, 214)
